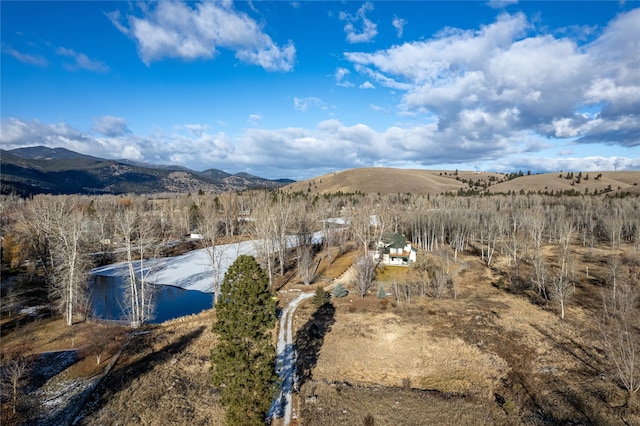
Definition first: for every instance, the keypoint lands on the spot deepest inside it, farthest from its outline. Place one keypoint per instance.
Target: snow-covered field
(191, 271)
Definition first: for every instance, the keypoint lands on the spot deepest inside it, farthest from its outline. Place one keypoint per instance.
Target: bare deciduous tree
(229, 207)
(442, 280)
(422, 275)
(209, 228)
(263, 233)
(34, 229)
(137, 234)
(282, 215)
(459, 230)
(359, 218)
(491, 226)
(561, 291)
(71, 263)
(305, 246)
(565, 235)
(14, 367)
(365, 270)
(614, 266)
(540, 274)
(620, 338)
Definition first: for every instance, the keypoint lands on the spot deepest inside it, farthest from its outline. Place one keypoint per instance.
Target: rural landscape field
(519, 308)
(311, 213)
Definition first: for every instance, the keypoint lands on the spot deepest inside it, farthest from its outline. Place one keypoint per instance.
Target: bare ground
(487, 357)
(162, 377)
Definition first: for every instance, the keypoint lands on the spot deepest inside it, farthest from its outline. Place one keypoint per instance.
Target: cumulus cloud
(16, 133)
(340, 75)
(549, 164)
(368, 30)
(80, 61)
(367, 85)
(398, 24)
(301, 153)
(509, 77)
(111, 126)
(175, 29)
(25, 58)
(302, 104)
(196, 149)
(499, 4)
(255, 119)
(195, 129)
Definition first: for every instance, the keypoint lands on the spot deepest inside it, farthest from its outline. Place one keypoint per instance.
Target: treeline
(531, 240)
(59, 238)
(54, 241)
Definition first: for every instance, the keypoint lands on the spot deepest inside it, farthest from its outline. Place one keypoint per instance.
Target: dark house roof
(396, 241)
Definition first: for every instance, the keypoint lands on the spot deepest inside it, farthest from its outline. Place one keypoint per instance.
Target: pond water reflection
(107, 300)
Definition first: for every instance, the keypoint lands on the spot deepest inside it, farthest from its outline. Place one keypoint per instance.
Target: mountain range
(39, 169)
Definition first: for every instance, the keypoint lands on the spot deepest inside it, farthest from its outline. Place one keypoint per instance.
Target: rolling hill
(36, 170)
(386, 181)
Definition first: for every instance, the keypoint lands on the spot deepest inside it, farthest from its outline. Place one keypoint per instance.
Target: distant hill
(384, 181)
(35, 170)
(46, 153)
(582, 182)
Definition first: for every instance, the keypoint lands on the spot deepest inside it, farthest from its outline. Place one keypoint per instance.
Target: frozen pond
(183, 283)
(107, 300)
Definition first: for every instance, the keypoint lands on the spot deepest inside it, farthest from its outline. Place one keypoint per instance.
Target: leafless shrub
(14, 368)
(619, 337)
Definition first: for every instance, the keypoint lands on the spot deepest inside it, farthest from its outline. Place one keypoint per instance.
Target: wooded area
(50, 243)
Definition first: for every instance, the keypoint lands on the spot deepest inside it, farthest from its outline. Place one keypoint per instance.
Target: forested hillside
(41, 170)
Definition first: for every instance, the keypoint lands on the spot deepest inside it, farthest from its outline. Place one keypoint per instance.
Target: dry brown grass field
(490, 356)
(385, 181)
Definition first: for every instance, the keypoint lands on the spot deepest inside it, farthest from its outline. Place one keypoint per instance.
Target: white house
(396, 250)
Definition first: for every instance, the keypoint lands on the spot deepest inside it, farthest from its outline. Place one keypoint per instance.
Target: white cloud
(340, 75)
(25, 58)
(111, 126)
(15, 133)
(82, 61)
(398, 24)
(196, 149)
(585, 164)
(367, 85)
(175, 29)
(255, 119)
(440, 57)
(499, 80)
(382, 78)
(301, 153)
(194, 129)
(499, 4)
(302, 104)
(368, 29)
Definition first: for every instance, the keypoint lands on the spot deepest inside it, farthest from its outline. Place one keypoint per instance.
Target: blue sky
(298, 89)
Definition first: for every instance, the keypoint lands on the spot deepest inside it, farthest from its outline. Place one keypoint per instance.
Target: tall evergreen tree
(244, 359)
